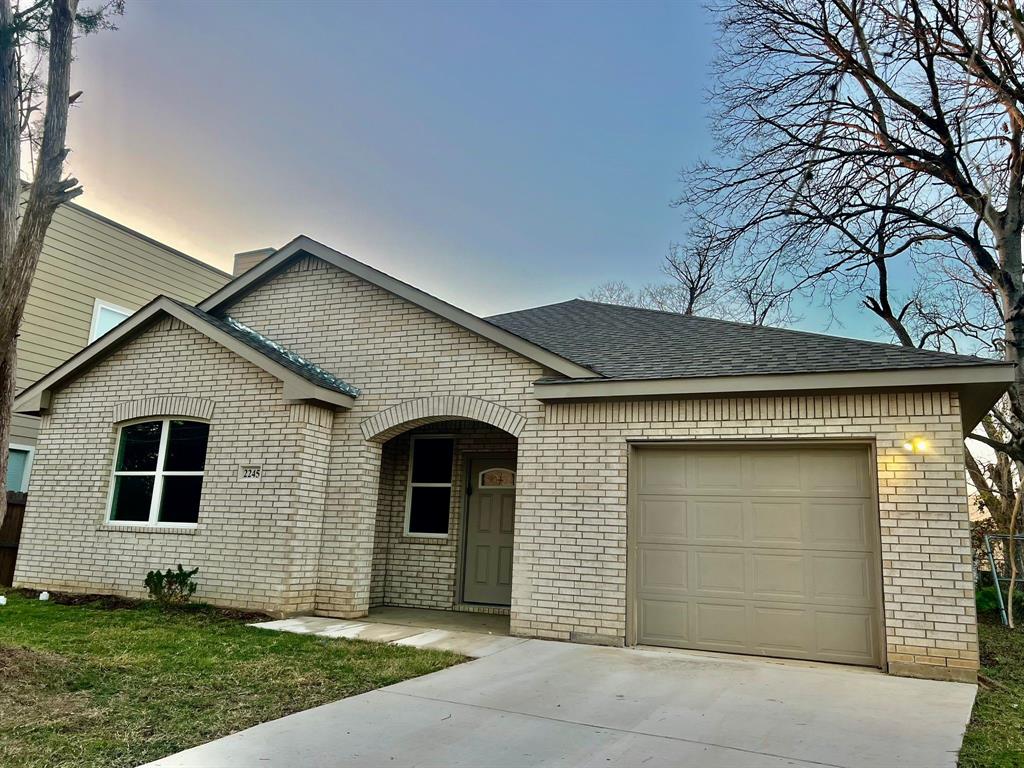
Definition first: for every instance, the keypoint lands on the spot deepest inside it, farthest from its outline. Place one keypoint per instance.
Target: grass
(115, 684)
(995, 735)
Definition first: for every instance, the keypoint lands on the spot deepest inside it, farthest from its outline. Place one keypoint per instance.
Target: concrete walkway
(540, 703)
(472, 634)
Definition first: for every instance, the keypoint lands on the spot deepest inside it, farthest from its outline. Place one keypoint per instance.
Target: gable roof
(303, 246)
(630, 343)
(302, 379)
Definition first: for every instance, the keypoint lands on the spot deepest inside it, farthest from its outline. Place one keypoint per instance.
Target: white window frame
(409, 485)
(31, 451)
(158, 475)
(97, 306)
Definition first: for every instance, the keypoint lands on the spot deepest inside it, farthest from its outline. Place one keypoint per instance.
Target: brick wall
(255, 543)
(572, 497)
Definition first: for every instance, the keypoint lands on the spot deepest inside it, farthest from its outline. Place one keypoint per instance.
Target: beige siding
(86, 258)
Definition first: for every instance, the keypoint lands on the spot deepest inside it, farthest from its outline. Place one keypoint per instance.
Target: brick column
(350, 511)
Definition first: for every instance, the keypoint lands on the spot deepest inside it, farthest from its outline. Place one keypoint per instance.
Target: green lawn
(995, 736)
(91, 685)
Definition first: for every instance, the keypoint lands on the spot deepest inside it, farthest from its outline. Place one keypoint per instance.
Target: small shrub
(987, 602)
(171, 587)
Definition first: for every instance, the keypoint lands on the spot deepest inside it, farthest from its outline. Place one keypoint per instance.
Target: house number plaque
(251, 473)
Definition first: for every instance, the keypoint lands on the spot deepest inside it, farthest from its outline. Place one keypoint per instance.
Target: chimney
(246, 260)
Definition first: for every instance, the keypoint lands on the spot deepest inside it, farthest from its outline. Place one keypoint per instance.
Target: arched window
(158, 473)
(497, 477)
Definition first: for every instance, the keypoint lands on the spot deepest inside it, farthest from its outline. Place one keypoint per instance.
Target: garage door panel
(840, 524)
(721, 625)
(778, 576)
(775, 472)
(714, 472)
(842, 580)
(663, 570)
(660, 474)
(782, 630)
(776, 523)
(838, 472)
(663, 520)
(847, 637)
(717, 522)
(719, 572)
(758, 553)
(663, 622)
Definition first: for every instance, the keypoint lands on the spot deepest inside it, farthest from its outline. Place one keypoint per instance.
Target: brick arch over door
(413, 413)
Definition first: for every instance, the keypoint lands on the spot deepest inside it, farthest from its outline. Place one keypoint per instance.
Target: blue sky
(499, 155)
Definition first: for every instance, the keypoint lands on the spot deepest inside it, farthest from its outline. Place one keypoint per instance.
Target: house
(92, 274)
(320, 437)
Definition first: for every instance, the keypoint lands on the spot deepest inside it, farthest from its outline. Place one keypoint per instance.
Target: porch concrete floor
(471, 634)
(458, 621)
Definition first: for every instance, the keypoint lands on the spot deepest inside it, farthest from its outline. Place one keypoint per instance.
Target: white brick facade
(323, 531)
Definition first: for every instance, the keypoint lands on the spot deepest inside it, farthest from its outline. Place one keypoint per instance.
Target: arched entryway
(445, 522)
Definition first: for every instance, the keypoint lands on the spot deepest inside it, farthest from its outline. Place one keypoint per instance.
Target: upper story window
(19, 465)
(428, 500)
(158, 472)
(105, 317)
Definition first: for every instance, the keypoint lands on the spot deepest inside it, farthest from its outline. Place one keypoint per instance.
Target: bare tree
(705, 281)
(35, 37)
(876, 148)
(696, 269)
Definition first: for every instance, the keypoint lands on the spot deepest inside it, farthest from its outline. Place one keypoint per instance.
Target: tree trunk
(21, 237)
(7, 389)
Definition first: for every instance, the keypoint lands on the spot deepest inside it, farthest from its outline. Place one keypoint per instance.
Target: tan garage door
(769, 550)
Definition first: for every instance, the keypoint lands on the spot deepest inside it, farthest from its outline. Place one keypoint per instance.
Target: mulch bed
(117, 603)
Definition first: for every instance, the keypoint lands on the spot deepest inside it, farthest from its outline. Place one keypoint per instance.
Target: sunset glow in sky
(498, 155)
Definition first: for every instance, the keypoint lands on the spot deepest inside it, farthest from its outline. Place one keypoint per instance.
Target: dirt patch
(34, 682)
(18, 664)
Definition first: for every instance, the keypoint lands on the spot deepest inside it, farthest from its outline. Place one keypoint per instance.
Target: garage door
(769, 551)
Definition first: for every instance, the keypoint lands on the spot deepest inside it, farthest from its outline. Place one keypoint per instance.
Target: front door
(490, 519)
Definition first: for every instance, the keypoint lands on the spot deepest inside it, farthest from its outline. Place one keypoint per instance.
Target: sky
(498, 155)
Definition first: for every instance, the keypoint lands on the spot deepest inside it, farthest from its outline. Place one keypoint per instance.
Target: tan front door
(490, 521)
(770, 551)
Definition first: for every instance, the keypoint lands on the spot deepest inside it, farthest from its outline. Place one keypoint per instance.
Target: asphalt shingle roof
(628, 343)
(290, 360)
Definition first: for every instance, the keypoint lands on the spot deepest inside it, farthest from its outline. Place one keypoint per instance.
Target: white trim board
(979, 386)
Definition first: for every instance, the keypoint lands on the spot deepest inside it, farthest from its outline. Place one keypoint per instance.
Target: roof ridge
(775, 328)
(541, 306)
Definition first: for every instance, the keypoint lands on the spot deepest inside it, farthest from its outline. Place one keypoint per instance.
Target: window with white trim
(428, 499)
(106, 317)
(158, 473)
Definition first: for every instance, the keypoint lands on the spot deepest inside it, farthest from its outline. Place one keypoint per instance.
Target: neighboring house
(92, 274)
(320, 437)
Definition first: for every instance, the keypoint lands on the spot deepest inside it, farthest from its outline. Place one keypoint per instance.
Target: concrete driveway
(559, 704)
